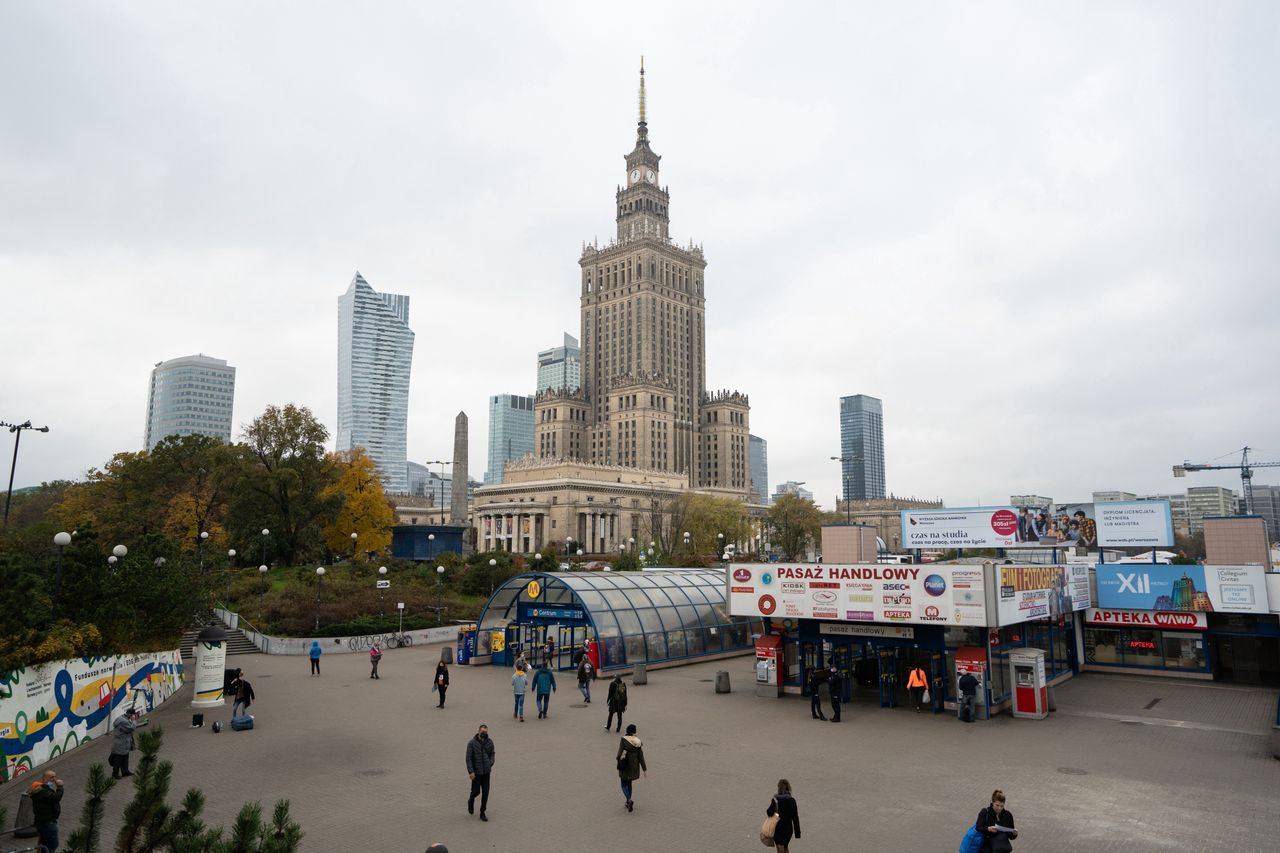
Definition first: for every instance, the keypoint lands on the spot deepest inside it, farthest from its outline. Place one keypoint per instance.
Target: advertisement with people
(1040, 592)
(950, 595)
(1208, 589)
(1135, 524)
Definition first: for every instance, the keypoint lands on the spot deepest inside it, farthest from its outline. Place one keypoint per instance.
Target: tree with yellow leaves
(365, 510)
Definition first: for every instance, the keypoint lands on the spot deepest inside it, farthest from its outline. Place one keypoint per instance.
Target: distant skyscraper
(759, 467)
(192, 395)
(375, 354)
(862, 446)
(560, 368)
(1266, 503)
(791, 487)
(1208, 502)
(510, 432)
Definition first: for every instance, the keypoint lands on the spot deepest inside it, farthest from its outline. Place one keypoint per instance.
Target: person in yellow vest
(917, 682)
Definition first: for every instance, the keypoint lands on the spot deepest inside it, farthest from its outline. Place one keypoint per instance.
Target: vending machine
(768, 661)
(1030, 691)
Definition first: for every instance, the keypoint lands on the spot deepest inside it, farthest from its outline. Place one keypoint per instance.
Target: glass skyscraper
(862, 447)
(560, 368)
(375, 353)
(759, 450)
(192, 395)
(510, 432)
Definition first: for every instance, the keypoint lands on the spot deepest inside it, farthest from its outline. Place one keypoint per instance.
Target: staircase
(237, 642)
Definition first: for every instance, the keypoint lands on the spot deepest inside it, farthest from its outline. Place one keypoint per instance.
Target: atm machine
(1030, 691)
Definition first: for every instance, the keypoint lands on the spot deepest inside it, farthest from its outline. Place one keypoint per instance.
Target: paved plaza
(1127, 763)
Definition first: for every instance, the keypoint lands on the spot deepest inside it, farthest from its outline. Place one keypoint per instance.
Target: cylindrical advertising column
(211, 658)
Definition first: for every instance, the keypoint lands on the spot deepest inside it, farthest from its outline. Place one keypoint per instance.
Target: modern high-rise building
(192, 395)
(375, 354)
(759, 469)
(644, 401)
(510, 432)
(1208, 502)
(791, 487)
(862, 447)
(1266, 503)
(560, 368)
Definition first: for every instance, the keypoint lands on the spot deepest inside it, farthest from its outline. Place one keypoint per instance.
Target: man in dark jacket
(617, 701)
(480, 761)
(968, 695)
(244, 697)
(836, 685)
(817, 678)
(46, 806)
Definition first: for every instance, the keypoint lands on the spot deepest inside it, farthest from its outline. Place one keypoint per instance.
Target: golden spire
(642, 90)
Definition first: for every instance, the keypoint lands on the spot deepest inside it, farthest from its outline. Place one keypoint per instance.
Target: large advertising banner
(1209, 589)
(51, 708)
(951, 595)
(1039, 592)
(1147, 619)
(1135, 524)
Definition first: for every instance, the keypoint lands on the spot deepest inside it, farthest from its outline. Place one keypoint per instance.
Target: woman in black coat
(784, 805)
(441, 683)
(995, 822)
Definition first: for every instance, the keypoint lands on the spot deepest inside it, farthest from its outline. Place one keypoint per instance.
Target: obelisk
(458, 499)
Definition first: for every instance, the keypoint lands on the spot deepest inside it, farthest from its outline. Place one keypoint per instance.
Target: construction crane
(1246, 473)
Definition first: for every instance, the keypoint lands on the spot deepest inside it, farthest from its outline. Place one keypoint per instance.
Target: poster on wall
(1138, 524)
(1038, 592)
(951, 595)
(1208, 589)
(51, 708)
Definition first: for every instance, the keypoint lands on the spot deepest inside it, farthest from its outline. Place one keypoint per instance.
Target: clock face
(635, 174)
(649, 176)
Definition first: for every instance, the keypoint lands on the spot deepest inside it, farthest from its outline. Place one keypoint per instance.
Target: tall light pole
(441, 463)
(844, 472)
(439, 593)
(382, 594)
(62, 540)
(262, 572)
(16, 429)
(204, 536)
(354, 537)
(431, 546)
(118, 554)
(319, 581)
(265, 534)
(493, 565)
(231, 557)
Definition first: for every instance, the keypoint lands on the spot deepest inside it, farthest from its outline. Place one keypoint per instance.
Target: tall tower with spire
(643, 401)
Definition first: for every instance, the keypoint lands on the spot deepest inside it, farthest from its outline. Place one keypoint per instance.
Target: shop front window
(1183, 651)
(1142, 648)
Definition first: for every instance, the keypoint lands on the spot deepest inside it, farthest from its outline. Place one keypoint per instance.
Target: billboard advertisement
(1135, 524)
(1039, 592)
(1147, 619)
(1207, 589)
(928, 595)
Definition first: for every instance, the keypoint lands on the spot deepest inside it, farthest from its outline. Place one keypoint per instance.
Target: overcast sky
(1044, 234)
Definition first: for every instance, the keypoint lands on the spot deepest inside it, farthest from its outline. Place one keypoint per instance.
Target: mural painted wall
(49, 709)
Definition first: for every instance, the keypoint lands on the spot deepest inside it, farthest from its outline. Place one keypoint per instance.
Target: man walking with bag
(544, 684)
(836, 685)
(617, 701)
(481, 757)
(586, 675)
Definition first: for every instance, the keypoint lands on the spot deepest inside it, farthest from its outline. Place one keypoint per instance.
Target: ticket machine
(1030, 692)
(768, 662)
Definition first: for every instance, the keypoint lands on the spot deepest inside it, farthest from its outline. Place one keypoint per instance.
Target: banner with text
(1146, 619)
(1136, 524)
(1208, 589)
(1039, 592)
(951, 595)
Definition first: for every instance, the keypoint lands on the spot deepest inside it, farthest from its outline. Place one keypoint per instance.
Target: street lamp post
(231, 556)
(62, 540)
(16, 429)
(493, 564)
(319, 581)
(848, 506)
(262, 572)
(354, 537)
(439, 593)
(265, 534)
(431, 546)
(118, 554)
(382, 594)
(204, 535)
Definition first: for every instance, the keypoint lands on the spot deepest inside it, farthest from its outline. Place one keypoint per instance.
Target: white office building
(560, 368)
(192, 395)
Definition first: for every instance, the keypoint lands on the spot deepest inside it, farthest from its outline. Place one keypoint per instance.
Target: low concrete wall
(347, 645)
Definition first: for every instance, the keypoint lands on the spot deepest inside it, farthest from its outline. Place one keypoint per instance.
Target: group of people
(1038, 526)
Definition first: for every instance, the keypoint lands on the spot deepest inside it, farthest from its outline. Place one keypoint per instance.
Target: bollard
(722, 681)
(446, 655)
(641, 675)
(25, 825)
(1053, 700)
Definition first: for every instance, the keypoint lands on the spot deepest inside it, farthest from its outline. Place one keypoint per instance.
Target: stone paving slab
(374, 765)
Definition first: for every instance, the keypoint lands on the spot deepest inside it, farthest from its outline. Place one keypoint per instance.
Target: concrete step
(237, 642)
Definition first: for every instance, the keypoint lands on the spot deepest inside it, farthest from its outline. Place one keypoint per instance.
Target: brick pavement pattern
(375, 765)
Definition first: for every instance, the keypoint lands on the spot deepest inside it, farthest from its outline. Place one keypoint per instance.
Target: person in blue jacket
(544, 684)
(316, 651)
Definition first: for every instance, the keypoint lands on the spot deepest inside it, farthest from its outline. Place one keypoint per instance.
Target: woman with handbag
(786, 814)
(995, 823)
(631, 764)
(441, 682)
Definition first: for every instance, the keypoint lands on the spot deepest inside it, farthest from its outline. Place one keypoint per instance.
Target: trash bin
(641, 675)
(25, 824)
(722, 681)
(446, 655)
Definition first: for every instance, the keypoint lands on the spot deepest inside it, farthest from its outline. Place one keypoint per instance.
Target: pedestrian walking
(244, 697)
(631, 764)
(784, 806)
(522, 660)
(544, 684)
(995, 823)
(586, 675)
(519, 682)
(968, 696)
(481, 757)
(315, 653)
(835, 683)
(817, 678)
(917, 683)
(229, 679)
(441, 682)
(616, 700)
(548, 651)
(46, 807)
(375, 657)
(122, 742)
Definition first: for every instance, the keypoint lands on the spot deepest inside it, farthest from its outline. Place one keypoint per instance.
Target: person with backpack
(995, 825)
(544, 684)
(375, 657)
(817, 678)
(586, 675)
(315, 653)
(917, 683)
(617, 701)
(46, 808)
(788, 826)
(968, 696)
(122, 742)
(519, 683)
(630, 760)
(441, 682)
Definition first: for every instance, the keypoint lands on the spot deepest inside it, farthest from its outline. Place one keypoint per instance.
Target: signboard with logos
(1205, 589)
(950, 595)
(1143, 524)
(849, 629)
(1170, 619)
(1038, 592)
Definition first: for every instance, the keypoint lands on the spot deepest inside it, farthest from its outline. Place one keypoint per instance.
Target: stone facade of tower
(458, 497)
